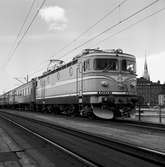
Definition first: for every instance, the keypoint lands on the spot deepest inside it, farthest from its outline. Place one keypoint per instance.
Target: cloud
(55, 17)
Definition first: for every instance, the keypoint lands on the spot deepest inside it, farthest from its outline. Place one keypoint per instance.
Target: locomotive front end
(112, 83)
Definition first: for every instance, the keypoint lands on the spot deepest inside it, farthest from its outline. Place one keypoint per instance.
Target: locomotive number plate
(104, 92)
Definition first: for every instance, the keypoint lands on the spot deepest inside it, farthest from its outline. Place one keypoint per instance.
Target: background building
(161, 99)
(149, 90)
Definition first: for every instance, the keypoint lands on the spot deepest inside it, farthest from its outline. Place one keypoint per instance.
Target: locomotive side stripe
(67, 95)
(84, 93)
(60, 83)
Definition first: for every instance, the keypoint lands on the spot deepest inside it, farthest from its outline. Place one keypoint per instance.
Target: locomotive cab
(109, 83)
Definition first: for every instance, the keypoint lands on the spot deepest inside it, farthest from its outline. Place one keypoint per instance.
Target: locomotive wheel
(102, 112)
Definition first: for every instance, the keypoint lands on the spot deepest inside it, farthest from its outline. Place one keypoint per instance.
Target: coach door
(79, 83)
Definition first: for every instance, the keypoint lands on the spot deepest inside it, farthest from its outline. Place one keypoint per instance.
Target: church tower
(146, 73)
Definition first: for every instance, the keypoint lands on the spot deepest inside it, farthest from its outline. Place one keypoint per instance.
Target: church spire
(146, 73)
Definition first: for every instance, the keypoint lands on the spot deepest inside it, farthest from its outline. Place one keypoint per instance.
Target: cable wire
(137, 22)
(110, 28)
(92, 26)
(130, 26)
(22, 26)
(26, 19)
(27, 29)
(141, 20)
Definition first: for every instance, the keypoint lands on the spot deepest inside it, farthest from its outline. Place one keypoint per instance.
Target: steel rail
(71, 153)
(143, 153)
(142, 124)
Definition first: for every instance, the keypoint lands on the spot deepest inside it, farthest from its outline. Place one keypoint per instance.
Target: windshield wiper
(107, 68)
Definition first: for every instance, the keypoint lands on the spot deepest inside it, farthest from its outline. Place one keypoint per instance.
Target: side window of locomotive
(128, 65)
(124, 65)
(86, 65)
(106, 64)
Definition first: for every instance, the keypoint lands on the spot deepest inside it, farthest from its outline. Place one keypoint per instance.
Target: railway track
(141, 124)
(92, 150)
(83, 161)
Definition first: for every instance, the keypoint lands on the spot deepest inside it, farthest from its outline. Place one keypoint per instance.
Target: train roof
(117, 52)
(18, 87)
(84, 53)
(59, 68)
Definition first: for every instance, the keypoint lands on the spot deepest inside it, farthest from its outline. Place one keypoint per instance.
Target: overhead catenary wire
(25, 32)
(22, 27)
(137, 12)
(92, 26)
(126, 28)
(25, 20)
(130, 26)
(110, 28)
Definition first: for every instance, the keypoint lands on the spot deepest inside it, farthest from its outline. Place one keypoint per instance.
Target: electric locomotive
(96, 82)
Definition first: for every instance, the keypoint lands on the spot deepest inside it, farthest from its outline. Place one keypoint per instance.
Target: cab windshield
(128, 66)
(106, 64)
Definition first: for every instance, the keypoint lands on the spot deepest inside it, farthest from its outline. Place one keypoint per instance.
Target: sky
(60, 22)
